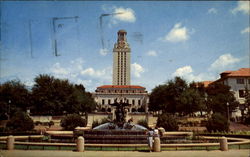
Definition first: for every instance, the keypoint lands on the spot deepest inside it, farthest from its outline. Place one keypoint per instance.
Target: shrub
(247, 120)
(217, 123)
(168, 122)
(143, 123)
(70, 122)
(20, 122)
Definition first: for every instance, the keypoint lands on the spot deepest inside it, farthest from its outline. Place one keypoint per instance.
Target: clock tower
(121, 60)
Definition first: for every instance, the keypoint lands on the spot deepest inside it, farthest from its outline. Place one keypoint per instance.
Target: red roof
(206, 83)
(241, 72)
(121, 86)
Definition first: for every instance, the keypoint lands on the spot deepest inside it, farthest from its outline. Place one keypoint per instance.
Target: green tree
(13, 95)
(219, 96)
(247, 106)
(51, 95)
(20, 122)
(166, 97)
(158, 98)
(191, 101)
(54, 97)
(168, 122)
(217, 122)
(71, 121)
(84, 99)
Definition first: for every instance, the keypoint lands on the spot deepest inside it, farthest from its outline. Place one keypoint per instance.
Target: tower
(121, 60)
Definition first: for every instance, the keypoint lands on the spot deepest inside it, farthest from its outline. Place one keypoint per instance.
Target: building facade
(239, 82)
(135, 96)
(121, 60)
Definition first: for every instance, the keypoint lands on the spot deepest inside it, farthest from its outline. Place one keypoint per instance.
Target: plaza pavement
(38, 153)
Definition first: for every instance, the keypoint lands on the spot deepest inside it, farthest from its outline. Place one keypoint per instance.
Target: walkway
(38, 153)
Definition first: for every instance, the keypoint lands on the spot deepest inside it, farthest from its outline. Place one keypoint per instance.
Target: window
(248, 81)
(241, 93)
(103, 101)
(240, 81)
(133, 102)
(109, 101)
(139, 102)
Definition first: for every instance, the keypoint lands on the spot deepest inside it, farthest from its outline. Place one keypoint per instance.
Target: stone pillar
(10, 142)
(223, 144)
(157, 144)
(80, 144)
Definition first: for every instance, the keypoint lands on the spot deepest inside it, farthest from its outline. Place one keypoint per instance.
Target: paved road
(38, 153)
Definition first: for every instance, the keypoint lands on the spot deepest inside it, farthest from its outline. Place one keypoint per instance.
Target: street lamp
(228, 120)
(9, 110)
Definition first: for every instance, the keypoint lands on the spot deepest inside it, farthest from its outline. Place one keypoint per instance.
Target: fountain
(118, 130)
(119, 123)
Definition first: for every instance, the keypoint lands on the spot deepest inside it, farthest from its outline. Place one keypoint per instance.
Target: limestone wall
(97, 116)
(41, 118)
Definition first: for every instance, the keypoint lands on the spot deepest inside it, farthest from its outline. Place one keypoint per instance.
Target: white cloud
(183, 71)
(187, 73)
(89, 71)
(212, 11)
(57, 69)
(152, 53)
(243, 6)
(177, 34)
(103, 52)
(29, 83)
(223, 62)
(119, 14)
(104, 73)
(125, 14)
(92, 72)
(84, 82)
(137, 69)
(76, 73)
(246, 30)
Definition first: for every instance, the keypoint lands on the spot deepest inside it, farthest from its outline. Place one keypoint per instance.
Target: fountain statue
(119, 123)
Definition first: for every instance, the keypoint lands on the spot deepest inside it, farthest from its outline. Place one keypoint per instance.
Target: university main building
(121, 88)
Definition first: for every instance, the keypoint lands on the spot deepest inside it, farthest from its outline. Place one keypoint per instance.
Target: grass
(229, 133)
(116, 148)
(243, 146)
(190, 148)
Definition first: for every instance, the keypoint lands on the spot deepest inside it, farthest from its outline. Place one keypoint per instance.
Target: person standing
(150, 139)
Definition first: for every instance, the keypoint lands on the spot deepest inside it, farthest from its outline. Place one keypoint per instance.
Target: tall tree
(50, 94)
(54, 96)
(219, 96)
(191, 101)
(167, 97)
(13, 95)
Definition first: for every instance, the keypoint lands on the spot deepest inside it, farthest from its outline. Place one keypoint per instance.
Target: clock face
(121, 44)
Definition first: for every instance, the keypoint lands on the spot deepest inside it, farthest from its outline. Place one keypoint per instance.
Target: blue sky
(194, 40)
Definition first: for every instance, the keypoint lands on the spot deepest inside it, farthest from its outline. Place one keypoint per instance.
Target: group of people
(152, 133)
